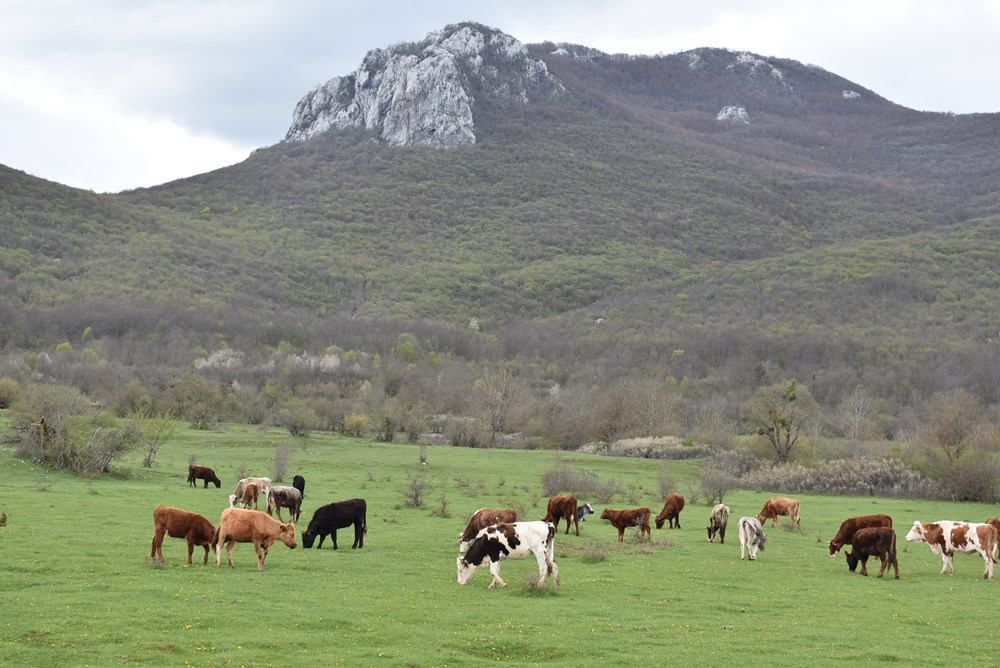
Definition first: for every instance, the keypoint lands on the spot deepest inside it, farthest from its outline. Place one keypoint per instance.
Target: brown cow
(263, 487)
(873, 542)
(632, 517)
(849, 526)
(671, 511)
(780, 505)
(250, 493)
(481, 519)
(560, 507)
(250, 526)
(178, 523)
(202, 473)
(995, 523)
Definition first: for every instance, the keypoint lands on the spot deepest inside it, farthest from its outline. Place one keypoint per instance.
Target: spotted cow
(510, 541)
(946, 537)
(717, 522)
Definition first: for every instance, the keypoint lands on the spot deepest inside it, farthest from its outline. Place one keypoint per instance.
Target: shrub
(282, 458)
(882, 477)
(56, 425)
(356, 424)
(10, 392)
(298, 421)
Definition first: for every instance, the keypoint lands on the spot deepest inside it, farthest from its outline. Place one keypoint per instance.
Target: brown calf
(202, 473)
(671, 511)
(632, 517)
(780, 505)
(250, 526)
(178, 523)
(873, 542)
(560, 507)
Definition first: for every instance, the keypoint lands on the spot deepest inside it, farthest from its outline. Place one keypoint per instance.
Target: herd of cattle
(494, 534)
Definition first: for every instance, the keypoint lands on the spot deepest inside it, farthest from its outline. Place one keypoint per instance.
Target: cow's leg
(864, 565)
(495, 572)
(205, 562)
(261, 556)
(157, 544)
(190, 550)
(358, 536)
(322, 537)
(230, 544)
(988, 558)
(277, 509)
(722, 535)
(885, 562)
(576, 521)
(948, 564)
(333, 537)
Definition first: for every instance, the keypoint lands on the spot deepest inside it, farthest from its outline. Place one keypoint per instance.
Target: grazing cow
(671, 511)
(878, 542)
(780, 505)
(852, 524)
(632, 517)
(263, 487)
(752, 537)
(202, 473)
(583, 511)
(510, 541)
(560, 507)
(284, 497)
(327, 519)
(238, 525)
(178, 523)
(717, 522)
(947, 537)
(481, 519)
(250, 494)
(299, 483)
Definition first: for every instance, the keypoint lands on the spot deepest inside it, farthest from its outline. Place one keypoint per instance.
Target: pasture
(78, 589)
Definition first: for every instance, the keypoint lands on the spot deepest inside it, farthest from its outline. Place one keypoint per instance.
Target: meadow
(78, 588)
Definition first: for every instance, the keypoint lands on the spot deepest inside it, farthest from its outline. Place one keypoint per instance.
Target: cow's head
(286, 534)
(835, 548)
(761, 539)
(465, 570)
(218, 483)
(660, 521)
(307, 538)
(606, 514)
(232, 500)
(916, 534)
(712, 530)
(852, 560)
(585, 509)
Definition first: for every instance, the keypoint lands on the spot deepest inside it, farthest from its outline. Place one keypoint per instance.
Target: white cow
(510, 541)
(752, 537)
(947, 537)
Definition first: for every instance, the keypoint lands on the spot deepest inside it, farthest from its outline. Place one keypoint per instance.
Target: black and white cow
(510, 541)
(752, 537)
(717, 522)
(583, 511)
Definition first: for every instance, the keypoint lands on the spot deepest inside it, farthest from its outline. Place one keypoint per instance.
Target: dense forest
(613, 263)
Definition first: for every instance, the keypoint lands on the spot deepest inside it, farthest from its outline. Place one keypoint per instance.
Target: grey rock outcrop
(426, 93)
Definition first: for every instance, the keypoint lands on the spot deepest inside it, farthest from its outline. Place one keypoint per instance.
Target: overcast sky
(117, 94)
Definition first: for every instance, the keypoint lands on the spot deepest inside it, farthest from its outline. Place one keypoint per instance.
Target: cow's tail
(892, 549)
(364, 525)
(550, 548)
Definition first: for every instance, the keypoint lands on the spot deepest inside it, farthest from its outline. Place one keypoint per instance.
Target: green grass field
(78, 589)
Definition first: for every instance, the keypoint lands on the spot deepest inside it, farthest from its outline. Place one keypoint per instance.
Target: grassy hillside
(839, 242)
(80, 590)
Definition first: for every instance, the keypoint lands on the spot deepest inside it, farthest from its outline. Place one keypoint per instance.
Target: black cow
(299, 483)
(327, 519)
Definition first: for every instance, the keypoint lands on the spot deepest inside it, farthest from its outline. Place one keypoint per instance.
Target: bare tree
(954, 421)
(496, 392)
(853, 413)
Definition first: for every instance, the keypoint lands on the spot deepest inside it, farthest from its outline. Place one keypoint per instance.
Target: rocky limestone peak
(426, 93)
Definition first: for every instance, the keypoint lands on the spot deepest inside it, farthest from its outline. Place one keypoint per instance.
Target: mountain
(730, 216)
